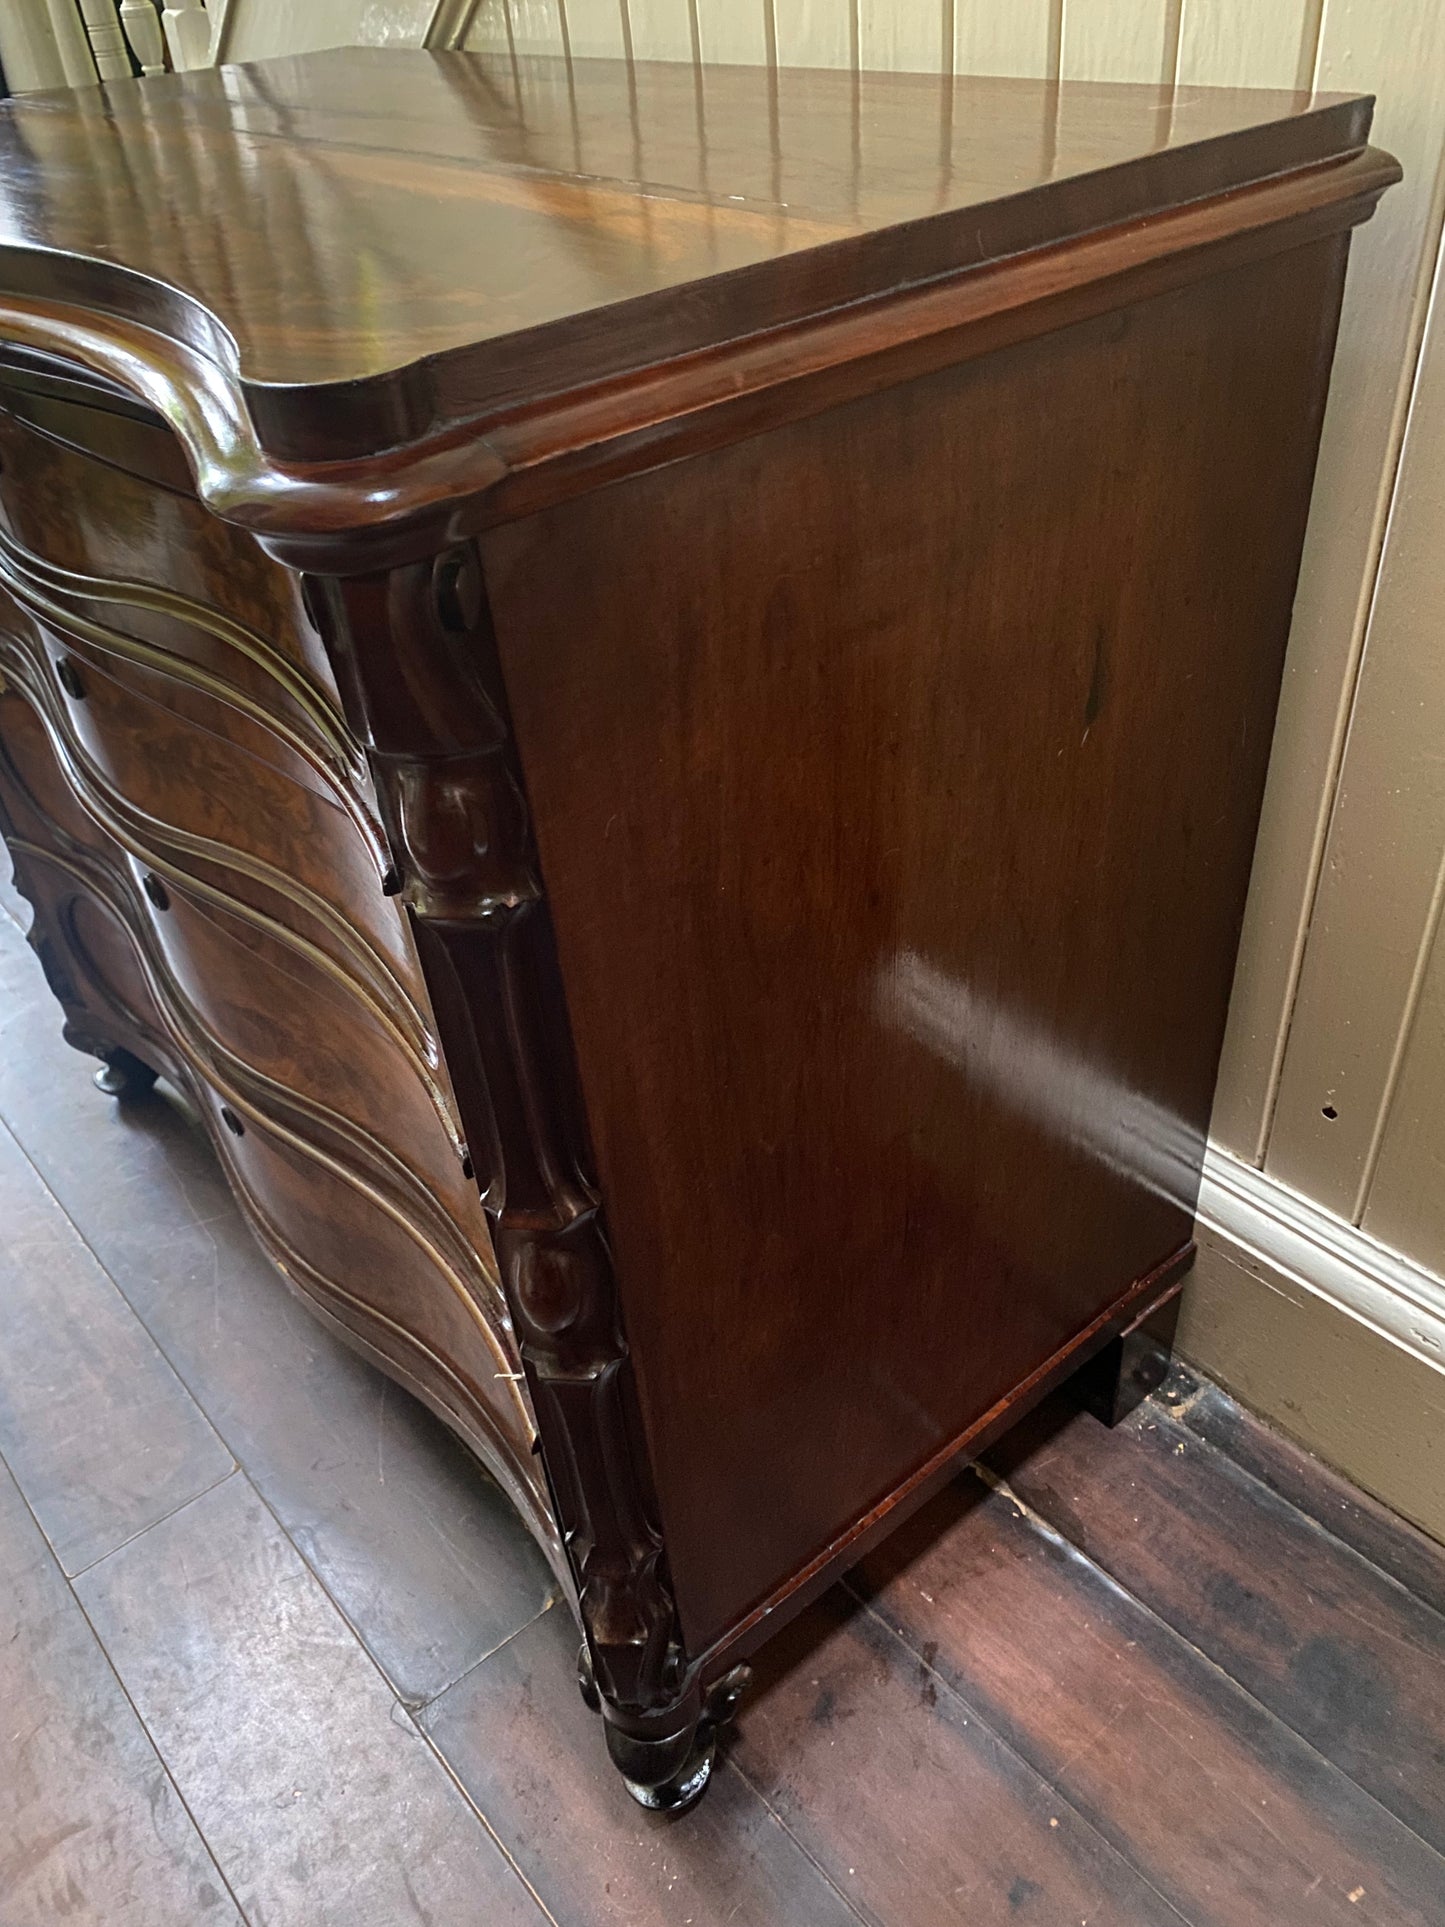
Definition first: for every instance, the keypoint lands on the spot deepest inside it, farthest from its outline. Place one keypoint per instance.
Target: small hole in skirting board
(232, 1123)
(1330, 1112)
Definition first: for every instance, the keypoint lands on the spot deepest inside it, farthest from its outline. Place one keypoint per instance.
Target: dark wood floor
(271, 1649)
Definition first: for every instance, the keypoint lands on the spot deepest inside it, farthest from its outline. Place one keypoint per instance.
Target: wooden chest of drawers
(656, 696)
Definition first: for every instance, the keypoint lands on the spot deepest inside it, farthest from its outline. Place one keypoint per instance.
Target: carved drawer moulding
(694, 661)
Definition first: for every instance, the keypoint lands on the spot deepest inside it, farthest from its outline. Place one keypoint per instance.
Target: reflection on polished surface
(347, 213)
(1014, 1060)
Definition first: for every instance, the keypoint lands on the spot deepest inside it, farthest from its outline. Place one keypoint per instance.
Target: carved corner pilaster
(460, 832)
(417, 663)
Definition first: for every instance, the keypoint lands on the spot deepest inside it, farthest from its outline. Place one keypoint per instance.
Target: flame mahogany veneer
(655, 692)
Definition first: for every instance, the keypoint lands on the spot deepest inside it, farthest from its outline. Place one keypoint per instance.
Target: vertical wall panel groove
(1370, 955)
(732, 31)
(1116, 40)
(1312, 28)
(816, 33)
(1232, 43)
(663, 29)
(1404, 1197)
(902, 34)
(1325, 1169)
(1395, 47)
(1023, 38)
(1407, 1035)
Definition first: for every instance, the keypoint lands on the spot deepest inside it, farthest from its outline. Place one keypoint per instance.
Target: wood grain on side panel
(845, 815)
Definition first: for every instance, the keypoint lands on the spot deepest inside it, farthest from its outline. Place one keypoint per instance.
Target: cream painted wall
(1360, 1122)
(43, 44)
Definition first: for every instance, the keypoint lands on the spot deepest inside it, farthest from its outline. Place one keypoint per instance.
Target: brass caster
(122, 1075)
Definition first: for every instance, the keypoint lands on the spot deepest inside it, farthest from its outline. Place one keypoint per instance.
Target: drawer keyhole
(68, 676)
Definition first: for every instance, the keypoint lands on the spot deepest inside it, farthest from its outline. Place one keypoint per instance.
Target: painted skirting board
(1336, 1339)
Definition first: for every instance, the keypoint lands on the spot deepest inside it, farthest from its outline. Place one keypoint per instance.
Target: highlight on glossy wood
(1395, 49)
(826, 1009)
(469, 125)
(232, 366)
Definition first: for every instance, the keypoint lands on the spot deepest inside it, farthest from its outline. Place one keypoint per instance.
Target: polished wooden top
(379, 289)
(345, 213)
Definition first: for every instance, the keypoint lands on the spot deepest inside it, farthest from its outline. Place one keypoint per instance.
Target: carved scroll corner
(564, 1296)
(416, 647)
(459, 836)
(565, 1309)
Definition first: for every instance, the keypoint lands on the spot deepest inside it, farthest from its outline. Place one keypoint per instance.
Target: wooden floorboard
(1224, 1808)
(102, 1435)
(917, 1809)
(1313, 1488)
(1312, 1629)
(531, 1756)
(1178, 1673)
(92, 1830)
(317, 1795)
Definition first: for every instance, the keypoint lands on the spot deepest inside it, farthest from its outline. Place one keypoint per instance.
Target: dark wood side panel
(895, 778)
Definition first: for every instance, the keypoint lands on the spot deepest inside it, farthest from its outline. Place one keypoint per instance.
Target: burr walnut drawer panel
(265, 993)
(337, 1149)
(376, 1255)
(198, 790)
(375, 1268)
(272, 1008)
(38, 797)
(142, 555)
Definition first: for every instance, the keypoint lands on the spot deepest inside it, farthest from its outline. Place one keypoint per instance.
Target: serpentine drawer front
(657, 701)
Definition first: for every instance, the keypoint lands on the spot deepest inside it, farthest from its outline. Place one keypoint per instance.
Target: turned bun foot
(682, 1789)
(667, 1773)
(123, 1075)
